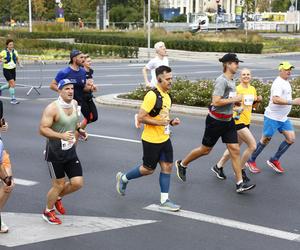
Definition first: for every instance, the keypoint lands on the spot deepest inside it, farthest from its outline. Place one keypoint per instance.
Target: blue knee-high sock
(12, 93)
(259, 149)
(133, 173)
(281, 150)
(164, 182)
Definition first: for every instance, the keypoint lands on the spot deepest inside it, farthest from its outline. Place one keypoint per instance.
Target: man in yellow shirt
(157, 146)
(242, 125)
(10, 59)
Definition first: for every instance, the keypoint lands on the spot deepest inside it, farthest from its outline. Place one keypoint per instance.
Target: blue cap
(64, 82)
(74, 52)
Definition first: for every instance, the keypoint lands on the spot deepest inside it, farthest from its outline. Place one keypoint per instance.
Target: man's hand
(67, 136)
(8, 189)
(175, 122)
(4, 127)
(83, 134)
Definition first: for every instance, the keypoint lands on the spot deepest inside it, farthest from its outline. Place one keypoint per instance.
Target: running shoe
(244, 187)
(276, 166)
(251, 165)
(219, 172)
(181, 171)
(14, 101)
(51, 218)
(137, 124)
(169, 205)
(245, 177)
(4, 228)
(121, 185)
(59, 206)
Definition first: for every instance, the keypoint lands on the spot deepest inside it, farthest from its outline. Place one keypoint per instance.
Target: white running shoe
(4, 228)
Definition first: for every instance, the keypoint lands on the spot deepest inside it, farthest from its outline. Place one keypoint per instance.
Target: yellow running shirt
(151, 133)
(11, 64)
(249, 96)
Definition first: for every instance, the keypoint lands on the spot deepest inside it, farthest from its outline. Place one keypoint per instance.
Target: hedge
(199, 93)
(33, 46)
(118, 38)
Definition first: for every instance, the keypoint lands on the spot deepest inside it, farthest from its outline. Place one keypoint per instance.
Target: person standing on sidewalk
(10, 59)
(60, 124)
(220, 123)
(276, 119)
(157, 146)
(159, 60)
(242, 120)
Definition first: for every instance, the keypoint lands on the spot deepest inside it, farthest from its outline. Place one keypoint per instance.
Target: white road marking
(230, 223)
(114, 138)
(31, 228)
(24, 182)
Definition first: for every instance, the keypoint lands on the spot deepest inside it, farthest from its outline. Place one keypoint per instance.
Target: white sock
(239, 182)
(58, 198)
(124, 178)
(164, 197)
(218, 166)
(48, 210)
(182, 164)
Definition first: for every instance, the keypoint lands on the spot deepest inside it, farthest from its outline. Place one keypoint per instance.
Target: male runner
(276, 119)
(157, 146)
(242, 119)
(219, 123)
(59, 124)
(10, 59)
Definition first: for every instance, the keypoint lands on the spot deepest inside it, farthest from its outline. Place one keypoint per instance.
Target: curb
(114, 100)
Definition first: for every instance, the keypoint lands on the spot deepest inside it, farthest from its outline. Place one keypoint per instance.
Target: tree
(280, 5)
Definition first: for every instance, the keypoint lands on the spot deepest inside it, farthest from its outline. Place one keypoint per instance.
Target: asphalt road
(274, 204)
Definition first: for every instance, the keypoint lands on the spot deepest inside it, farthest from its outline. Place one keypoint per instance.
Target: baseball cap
(285, 65)
(64, 82)
(230, 57)
(74, 53)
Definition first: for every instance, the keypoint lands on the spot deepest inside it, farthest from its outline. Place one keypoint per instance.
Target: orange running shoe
(51, 218)
(59, 206)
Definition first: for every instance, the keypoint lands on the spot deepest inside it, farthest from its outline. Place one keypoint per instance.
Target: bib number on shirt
(248, 100)
(167, 130)
(66, 145)
(11, 64)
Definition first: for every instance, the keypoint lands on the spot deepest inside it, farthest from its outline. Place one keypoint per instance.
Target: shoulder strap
(158, 103)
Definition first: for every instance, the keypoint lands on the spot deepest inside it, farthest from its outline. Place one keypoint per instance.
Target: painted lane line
(31, 228)
(230, 223)
(24, 182)
(114, 138)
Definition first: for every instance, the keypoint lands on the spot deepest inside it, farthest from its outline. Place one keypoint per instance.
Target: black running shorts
(71, 168)
(215, 129)
(156, 152)
(9, 74)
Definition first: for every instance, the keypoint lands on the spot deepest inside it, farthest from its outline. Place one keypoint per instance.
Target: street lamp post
(30, 16)
(149, 27)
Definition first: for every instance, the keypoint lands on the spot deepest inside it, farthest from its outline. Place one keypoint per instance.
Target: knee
(290, 140)
(206, 150)
(266, 140)
(252, 147)
(78, 184)
(59, 185)
(146, 171)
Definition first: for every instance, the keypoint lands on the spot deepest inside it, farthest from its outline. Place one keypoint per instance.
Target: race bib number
(66, 145)
(11, 64)
(232, 94)
(248, 100)
(167, 130)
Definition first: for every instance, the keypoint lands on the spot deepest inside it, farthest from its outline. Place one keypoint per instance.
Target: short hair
(162, 69)
(159, 44)
(8, 41)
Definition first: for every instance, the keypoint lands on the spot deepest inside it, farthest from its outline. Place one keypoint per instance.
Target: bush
(199, 93)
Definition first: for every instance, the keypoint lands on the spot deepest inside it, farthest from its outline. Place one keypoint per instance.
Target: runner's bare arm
(145, 74)
(144, 117)
(218, 101)
(53, 85)
(282, 101)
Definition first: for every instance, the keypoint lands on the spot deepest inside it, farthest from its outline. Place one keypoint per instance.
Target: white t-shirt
(153, 64)
(283, 89)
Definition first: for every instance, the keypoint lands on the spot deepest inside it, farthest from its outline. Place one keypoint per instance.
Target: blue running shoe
(121, 185)
(169, 205)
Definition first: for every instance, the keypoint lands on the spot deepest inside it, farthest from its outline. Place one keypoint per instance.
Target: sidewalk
(114, 100)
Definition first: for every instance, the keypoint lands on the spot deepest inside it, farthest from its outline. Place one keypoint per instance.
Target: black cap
(230, 57)
(74, 53)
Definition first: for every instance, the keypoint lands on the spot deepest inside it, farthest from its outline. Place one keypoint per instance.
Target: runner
(6, 173)
(157, 146)
(219, 123)
(10, 59)
(242, 124)
(276, 119)
(160, 59)
(88, 107)
(59, 124)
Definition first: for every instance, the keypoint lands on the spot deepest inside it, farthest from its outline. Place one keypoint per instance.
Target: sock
(133, 173)
(164, 182)
(58, 198)
(218, 166)
(259, 149)
(181, 164)
(12, 93)
(48, 210)
(124, 178)
(281, 150)
(3, 87)
(164, 197)
(240, 182)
